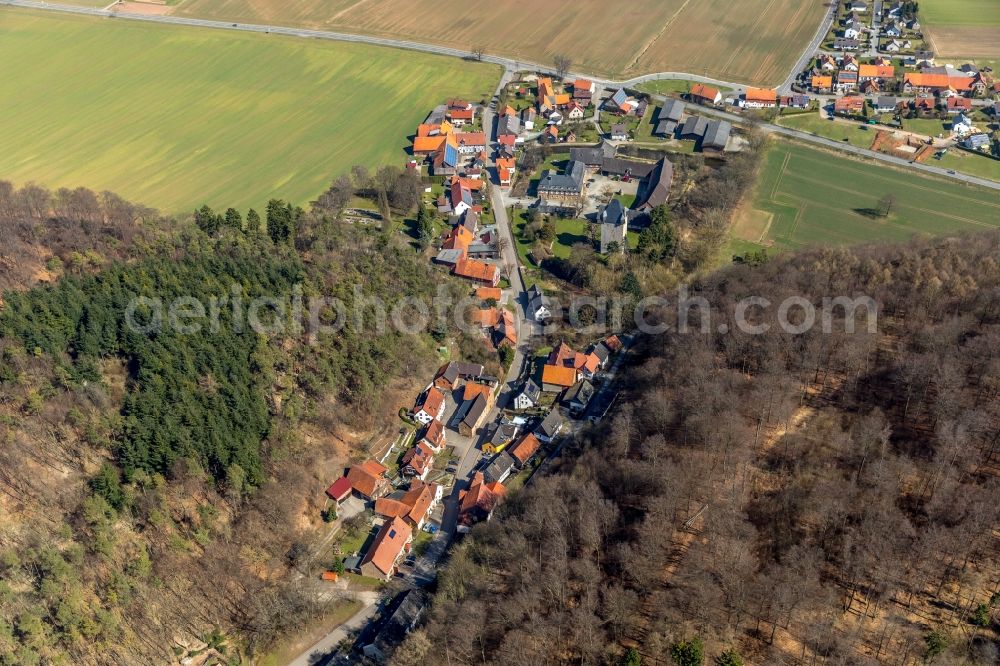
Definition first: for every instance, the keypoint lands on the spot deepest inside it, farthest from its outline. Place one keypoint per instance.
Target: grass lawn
(831, 129)
(806, 196)
(966, 162)
(925, 126)
(667, 87)
(569, 232)
(174, 117)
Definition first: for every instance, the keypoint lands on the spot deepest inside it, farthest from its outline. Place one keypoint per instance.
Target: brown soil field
(965, 41)
(751, 41)
(150, 8)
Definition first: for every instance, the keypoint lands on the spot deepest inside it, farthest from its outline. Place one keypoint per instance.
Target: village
(594, 163)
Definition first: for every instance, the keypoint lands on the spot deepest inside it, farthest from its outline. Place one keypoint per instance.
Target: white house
(528, 396)
(575, 111)
(431, 407)
(852, 31)
(961, 125)
(538, 305)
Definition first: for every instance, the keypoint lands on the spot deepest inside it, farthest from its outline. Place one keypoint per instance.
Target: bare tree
(563, 64)
(886, 204)
(478, 53)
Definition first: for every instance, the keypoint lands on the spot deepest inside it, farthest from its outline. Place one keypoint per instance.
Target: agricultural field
(962, 28)
(853, 133)
(807, 196)
(718, 38)
(182, 116)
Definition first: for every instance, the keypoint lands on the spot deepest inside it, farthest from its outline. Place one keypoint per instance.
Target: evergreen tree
(632, 658)
(253, 222)
(233, 218)
(688, 652)
(425, 227)
(659, 240)
(729, 658)
(279, 220)
(207, 220)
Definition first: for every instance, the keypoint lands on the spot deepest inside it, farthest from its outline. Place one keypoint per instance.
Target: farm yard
(807, 196)
(718, 38)
(962, 28)
(182, 116)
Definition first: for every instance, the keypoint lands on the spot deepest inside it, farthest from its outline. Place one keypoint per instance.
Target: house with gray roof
(592, 157)
(561, 192)
(538, 304)
(614, 227)
(550, 426)
(528, 395)
(694, 128)
(500, 468)
(578, 397)
(673, 109)
(658, 185)
(716, 136)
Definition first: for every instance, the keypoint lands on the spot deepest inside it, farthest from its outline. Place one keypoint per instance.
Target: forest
(158, 491)
(823, 498)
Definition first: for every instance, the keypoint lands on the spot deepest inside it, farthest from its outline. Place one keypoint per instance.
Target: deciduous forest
(765, 499)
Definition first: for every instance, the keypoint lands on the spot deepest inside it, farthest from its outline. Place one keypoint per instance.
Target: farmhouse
(525, 449)
(430, 407)
(368, 479)
(412, 505)
(658, 185)
(528, 396)
(538, 304)
(472, 414)
(449, 375)
(849, 105)
(562, 191)
(550, 427)
(499, 468)
(477, 271)
(391, 542)
(760, 98)
(702, 94)
(583, 91)
(716, 136)
(876, 72)
(477, 503)
(556, 378)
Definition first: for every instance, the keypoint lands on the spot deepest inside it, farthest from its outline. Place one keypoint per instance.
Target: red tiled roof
(365, 477)
(761, 95)
(558, 375)
(389, 543)
(434, 433)
(525, 448)
(477, 270)
(489, 293)
(432, 402)
(702, 91)
(340, 489)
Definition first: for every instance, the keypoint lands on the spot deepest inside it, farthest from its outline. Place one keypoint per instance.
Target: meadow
(962, 28)
(175, 117)
(807, 196)
(753, 41)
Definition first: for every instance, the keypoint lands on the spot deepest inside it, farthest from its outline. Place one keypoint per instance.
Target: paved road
(810, 51)
(326, 645)
(510, 66)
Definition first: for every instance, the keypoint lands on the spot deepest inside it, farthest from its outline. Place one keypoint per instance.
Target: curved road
(510, 65)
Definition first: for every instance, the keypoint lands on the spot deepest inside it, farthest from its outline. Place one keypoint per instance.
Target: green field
(176, 116)
(960, 12)
(851, 133)
(807, 196)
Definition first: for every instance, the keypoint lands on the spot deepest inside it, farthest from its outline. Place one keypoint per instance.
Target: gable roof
(551, 424)
(558, 375)
(877, 71)
(672, 109)
(476, 270)
(432, 403)
(659, 184)
(480, 496)
(701, 91)
(339, 489)
(761, 95)
(365, 477)
(473, 390)
(388, 544)
(717, 134)
(489, 293)
(526, 448)
(435, 434)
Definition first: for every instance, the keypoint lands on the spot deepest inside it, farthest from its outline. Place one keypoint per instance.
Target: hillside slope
(815, 498)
